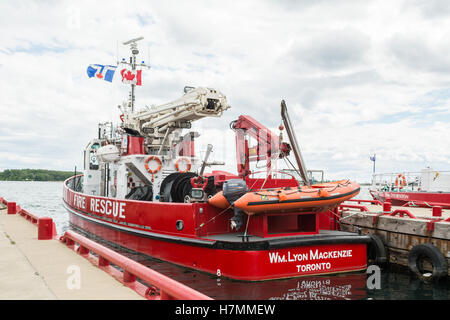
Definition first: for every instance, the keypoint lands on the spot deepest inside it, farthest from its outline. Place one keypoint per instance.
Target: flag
(372, 158)
(131, 76)
(101, 72)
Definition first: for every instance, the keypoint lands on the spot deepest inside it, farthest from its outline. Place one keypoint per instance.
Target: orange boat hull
(219, 201)
(316, 197)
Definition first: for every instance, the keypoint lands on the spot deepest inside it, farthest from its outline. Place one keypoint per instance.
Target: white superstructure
(149, 144)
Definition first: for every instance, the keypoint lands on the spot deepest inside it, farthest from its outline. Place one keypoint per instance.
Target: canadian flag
(131, 76)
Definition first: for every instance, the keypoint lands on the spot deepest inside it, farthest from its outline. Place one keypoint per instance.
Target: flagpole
(134, 52)
(374, 160)
(132, 63)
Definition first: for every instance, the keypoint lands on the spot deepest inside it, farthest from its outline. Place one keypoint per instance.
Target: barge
(145, 188)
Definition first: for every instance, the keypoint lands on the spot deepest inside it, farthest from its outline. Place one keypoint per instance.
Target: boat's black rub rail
(266, 244)
(258, 203)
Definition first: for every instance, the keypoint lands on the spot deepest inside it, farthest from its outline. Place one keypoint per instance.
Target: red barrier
(437, 211)
(169, 289)
(354, 206)
(45, 228)
(12, 208)
(29, 216)
(426, 204)
(402, 212)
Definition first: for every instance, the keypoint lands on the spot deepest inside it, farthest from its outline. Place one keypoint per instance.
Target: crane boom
(195, 104)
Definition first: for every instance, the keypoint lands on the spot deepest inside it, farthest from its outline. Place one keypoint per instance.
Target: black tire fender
(440, 265)
(377, 252)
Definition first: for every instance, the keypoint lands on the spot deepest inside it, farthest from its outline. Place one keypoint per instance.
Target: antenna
(133, 40)
(148, 54)
(117, 51)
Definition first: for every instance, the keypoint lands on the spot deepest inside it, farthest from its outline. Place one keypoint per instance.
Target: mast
(132, 64)
(295, 147)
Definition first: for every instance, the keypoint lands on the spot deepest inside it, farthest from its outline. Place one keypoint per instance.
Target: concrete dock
(32, 269)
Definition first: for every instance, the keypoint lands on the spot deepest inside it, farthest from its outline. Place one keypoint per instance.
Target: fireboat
(145, 188)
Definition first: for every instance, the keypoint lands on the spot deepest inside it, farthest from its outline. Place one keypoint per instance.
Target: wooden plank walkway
(45, 269)
(400, 234)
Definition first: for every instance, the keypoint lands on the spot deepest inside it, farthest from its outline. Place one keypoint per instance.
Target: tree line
(34, 175)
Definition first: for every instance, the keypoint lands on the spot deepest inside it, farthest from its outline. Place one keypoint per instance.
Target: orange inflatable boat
(316, 197)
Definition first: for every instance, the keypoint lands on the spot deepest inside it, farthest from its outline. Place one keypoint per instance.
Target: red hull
(425, 199)
(149, 228)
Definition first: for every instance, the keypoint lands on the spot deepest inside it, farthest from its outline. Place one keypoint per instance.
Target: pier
(71, 267)
(400, 228)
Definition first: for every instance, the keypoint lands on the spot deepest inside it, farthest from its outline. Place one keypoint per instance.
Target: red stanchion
(45, 228)
(12, 208)
(354, 206)
(402, 212)
(437, 211)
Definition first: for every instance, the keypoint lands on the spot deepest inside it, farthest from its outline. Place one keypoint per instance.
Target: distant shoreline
(49, 175)
(34, 175)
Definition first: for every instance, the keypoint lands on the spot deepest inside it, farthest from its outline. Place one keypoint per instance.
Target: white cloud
(359, 77)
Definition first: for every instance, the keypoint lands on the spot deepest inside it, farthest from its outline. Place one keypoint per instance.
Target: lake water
(44, 199)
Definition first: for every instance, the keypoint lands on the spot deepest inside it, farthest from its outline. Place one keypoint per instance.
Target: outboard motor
(232, 190)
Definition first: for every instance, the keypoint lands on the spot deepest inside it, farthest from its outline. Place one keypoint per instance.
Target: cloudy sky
(359, 77)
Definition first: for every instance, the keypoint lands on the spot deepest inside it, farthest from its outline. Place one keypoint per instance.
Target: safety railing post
(102, 262)
(164, 296)
(128, 277)
(83, 250)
